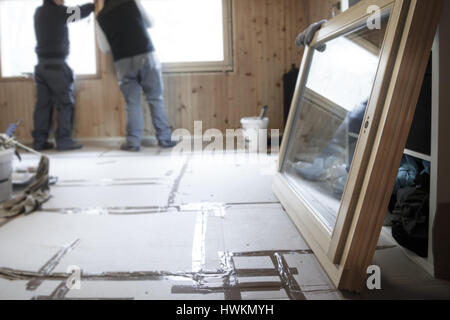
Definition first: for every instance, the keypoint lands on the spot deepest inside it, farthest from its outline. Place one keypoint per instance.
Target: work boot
(70, 147)
(167, 144)
(46, 146)
(129, 148)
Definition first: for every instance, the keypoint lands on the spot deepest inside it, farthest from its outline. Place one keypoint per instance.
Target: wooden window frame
(347, 251)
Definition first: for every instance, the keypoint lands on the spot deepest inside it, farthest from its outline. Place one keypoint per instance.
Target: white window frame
(210, 66)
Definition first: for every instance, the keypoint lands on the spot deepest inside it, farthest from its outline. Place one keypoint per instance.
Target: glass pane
(83, 57)
(18, 40)
(187, 31)
(329, 118)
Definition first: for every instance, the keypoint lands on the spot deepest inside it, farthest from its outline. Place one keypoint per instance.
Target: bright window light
(18, 41)
(83, 54)
(344, 73)
(187, 31)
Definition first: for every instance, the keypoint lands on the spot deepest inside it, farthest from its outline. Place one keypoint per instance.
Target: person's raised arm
(76, 13)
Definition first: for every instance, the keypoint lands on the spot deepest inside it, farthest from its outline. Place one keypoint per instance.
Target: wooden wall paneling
(296, 20)
(112, 101)
(177, 102)
(242, 84)
(201, 91)
(272, 64)
(185, 83)
(259, 52)
(320, 9)
(221, 96)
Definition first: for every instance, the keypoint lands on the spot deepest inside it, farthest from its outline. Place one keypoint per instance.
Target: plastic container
(252, 127)
(6, 170)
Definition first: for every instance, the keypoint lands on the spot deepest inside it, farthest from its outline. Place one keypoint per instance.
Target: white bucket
(6, 170)
(252, 129)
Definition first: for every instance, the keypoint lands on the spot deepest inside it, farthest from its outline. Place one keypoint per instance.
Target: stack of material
(35, 195)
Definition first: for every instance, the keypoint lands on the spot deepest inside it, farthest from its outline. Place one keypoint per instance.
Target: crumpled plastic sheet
(33, 197)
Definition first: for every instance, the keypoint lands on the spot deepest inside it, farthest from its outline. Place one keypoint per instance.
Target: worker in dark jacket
(123, 32)
(54, 78)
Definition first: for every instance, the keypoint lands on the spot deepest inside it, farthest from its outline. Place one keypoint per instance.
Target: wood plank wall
(321, 9)
(263, 39)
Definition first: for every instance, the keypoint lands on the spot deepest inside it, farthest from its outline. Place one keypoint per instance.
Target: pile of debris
(35, 194)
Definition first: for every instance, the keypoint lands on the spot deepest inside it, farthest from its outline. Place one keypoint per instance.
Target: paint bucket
(252, 129)
(6, 170)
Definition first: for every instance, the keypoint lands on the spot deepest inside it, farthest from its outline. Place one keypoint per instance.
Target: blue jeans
(137, 73)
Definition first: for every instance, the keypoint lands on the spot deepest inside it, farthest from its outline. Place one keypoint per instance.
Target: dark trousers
(54, 85)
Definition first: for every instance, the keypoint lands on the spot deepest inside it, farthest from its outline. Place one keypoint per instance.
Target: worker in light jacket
(54, 78)
(122, 30)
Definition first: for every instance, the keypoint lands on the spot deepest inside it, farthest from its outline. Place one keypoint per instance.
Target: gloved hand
(305, 38)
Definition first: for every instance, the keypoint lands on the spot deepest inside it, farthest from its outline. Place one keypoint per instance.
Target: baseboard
(148, 141)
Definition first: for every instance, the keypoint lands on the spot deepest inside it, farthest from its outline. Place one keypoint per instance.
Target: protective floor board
(27, 254)
(257, 295)
(103, 150)
(403, 279)
(16, 290)
(311, 277)
(244, 249)
(227, 179)
(86, 152)
(109, 196)
(162, 242)
(116, 168)
(28, 243)
(143, 290)
(260, 228)
(144, 153)
(107, 243)
(225, 223)
(272, 295)
(253, 262)
(322, 295)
